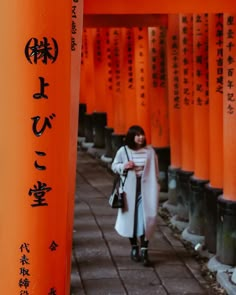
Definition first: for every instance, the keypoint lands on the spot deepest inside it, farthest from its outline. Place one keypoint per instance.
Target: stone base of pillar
(179, 224)
(226, 231)
(82, 112)
(108, 146)
(215, 265)
(172, 209)
(183, 191)
(88, 128)
(117, 140)
(192, 238)
(197, 212)
(211, 216)
(172, 185)
(224, 274)
(99, 122)
(164, 162)
(171, 203)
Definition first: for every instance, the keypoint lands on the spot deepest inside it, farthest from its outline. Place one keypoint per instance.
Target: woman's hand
(129, 165)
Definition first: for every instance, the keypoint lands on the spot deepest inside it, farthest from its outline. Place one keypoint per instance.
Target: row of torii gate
(168, 66)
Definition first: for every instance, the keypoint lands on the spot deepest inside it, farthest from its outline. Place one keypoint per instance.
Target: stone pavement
(101, 264)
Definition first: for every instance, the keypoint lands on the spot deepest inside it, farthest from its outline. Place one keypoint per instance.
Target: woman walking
(137, 220)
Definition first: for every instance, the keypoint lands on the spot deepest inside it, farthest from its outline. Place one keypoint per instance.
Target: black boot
(144, 257)
(135, 253)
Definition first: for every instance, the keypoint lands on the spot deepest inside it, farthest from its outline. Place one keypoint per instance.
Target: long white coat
(149, 190)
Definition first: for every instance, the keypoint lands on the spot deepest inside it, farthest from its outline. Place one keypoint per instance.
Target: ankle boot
(135, 253)
(144, 257)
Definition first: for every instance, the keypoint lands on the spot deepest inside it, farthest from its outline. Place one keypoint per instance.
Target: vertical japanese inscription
(41, 51)
(37, 51)
(230, 63)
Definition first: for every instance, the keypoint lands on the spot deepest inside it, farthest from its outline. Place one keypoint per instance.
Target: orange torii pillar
(174, 103)
(159, 119)
(36, 118)
(109, 128)
(88, 90)
(99, 120)
(83, 89)
(76, 44)
(186, 104)
(141, 60)
(129, 77)
(117, 51)
(195, 231)
(226, 226)
(214, 188)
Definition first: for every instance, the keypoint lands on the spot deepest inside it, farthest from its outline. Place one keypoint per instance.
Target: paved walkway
(101, 263)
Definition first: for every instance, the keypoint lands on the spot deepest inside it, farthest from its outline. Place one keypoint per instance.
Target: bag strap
(123, 182)
(126, 152)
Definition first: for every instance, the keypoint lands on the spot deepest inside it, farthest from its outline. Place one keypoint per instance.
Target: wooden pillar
(142, 76)
(201, 126)
(76, 44)
(186, 95)
(88, 67)
(174, 108)
(214, 188)
(159, 117)
(158, 96)
(100, 70)
(117, 43)
(129, 78)
(35, 148)
(227, 202)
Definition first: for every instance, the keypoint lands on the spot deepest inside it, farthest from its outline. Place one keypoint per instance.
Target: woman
(139, 163)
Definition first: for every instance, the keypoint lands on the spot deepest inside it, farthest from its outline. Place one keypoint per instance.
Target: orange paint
(229, 108)
(142, 80)
(173, 77)
(201, 97)
(159, 118)
(100, 70)
(76, 44)
(186, 90)
(38, 232)
(160, 6)
(129, 78)
(108, 78)
(88, 68)
(117, 51)
(216, 100)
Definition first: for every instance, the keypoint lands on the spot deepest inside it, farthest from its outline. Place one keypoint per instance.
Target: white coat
(149, 191)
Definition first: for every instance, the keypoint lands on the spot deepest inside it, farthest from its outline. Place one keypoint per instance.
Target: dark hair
(129, 139)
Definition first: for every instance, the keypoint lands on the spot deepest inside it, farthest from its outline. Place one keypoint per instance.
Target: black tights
(143, 242)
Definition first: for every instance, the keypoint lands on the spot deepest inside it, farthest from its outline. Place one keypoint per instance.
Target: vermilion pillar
(100, 70)
(158, 111)
(88, 92)
(201, 126)
(117, 51)
(88, 67)
(216, 88)
(157, 87)
(35, 77)
(129, 77)
(174, 103)
(227, 202)
(76, 44)
(186, 95)
(142, 76)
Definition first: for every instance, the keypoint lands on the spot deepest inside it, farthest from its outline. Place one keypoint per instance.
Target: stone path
(101, 263)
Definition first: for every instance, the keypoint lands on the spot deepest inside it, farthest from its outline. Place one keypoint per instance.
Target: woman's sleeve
(118, 164)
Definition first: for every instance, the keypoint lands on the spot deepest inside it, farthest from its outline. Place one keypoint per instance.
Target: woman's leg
(134, 255)
(144, 251)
